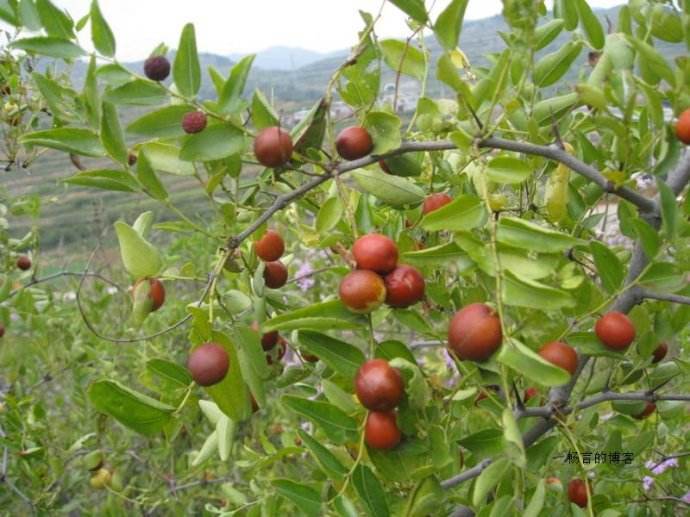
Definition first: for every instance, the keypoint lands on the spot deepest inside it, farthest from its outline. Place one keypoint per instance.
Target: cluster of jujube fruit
(379, 278)
(269, 248)
(380, 388)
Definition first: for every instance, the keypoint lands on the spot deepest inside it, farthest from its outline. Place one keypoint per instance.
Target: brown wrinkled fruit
(475, 332)
(362, 291)
(434, 202)
(404, 286)
(353, 143)
(275, 274)
(381, 430)
(270, 246)
(615, 330)
(561, 355)
(273, 147)
(375, 252)
(379, 386)
(208, 364)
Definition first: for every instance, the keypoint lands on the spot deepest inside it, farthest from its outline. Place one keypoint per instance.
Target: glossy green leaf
(309, 133)
(610, 269)
(112, 137)
(263, 114)
(392, 190)
(384, 129)
(405, 165)
(518, 233)
(132, 409)
(319, 316)
(340, 356)
(536, 503)
(101, 35)
(465, 212)
(488, 479)
(338, 426)
(527, 362)
(392, 349)
(49, 46)
(566, 10)
(54, 20)
(149, 179)
(73, 140)
(370, 491)
(545, 34)
(449, 24)
(140, 258)
(171, 372)
(28, 15)
(252, 361)
(166, 158)
(525, 292)
(413, 8)
(328, 461)
(186, 70)
(231, 393)
(649, 237)
(163, 123)
(508, 169)
(424, 499)
(330, 214)
(408, 60)
(305, 498)
(669, 209)
(650, 57)
(213, 143)
(229, 99)
(440, 254)
(105, 179)
(552, 67)
(138, 92)
(590, 23)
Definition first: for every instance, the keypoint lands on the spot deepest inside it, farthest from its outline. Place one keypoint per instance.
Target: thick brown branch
(664, 297)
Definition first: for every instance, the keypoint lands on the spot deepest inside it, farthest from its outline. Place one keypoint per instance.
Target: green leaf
(424, 499)
(664, 276)
(609, 267)
(407, 164)
(449, 24)
(319, 316)
(508, 169)
(649, 237)
(305, 498)
(186, 68)
(552, 67)
(309, 133)
(213, 143)
(536, 503)
(166, 158)
(654, 61)
(488, 479)
(231, 393)
(391, 349)
(384, 129)
(440, 254)
(545, 34)
(138, 92)
(447, 72)
(590, 23)
(149, 179)
(236, 301)
(171, 372)
(330, 214)
(518, 233)
(525, 292)
(405, 463)
(392, 190)
(340, 356)
(418, 392)
(669, 209)
(263, 114)
(49, 46)
(55, 21)
(407, 59)
(338, 426)
(73, 140)
(514, 447)
(140, 258)
(106, 179)
(8, 13)
(328, 462)
(132, 409)
(230, 95)
(370, 491)
(163, 123)
(111, 134)
(526, 362)
(252, 361)
(566, 10)
(28, 15)
(101, 35)
(413, 8)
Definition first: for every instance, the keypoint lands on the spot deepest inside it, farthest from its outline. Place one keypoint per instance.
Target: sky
(246, 26)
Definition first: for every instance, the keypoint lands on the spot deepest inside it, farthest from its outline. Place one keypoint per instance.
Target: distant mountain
(285, 58)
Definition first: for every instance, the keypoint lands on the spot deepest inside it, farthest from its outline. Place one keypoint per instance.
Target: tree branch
(468, 474)
(48, 278)
(664, 297)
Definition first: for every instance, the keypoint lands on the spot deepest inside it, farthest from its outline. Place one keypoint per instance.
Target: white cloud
(229, 26)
